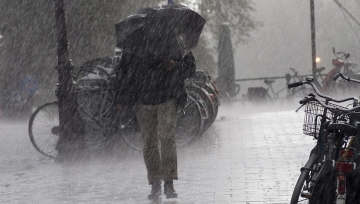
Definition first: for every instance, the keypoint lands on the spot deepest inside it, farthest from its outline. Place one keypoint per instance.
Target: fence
(280, 90)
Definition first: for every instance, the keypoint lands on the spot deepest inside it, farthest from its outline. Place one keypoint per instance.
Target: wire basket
(313, 115)
(312, 119)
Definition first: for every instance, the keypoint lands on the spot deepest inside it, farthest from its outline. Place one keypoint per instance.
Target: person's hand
(119, 107)
(169, 64)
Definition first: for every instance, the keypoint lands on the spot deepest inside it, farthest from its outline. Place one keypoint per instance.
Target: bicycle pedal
(306, 195)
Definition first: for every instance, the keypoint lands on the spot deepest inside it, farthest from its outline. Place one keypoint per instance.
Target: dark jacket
(148, 83)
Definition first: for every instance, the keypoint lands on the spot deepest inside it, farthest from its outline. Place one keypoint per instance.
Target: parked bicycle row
(102, 122)
(332, 173)
(324, 82)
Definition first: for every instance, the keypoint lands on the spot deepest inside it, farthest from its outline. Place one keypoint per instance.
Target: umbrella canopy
(169, 31)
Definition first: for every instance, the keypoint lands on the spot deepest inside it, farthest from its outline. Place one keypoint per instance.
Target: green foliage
(29, 34)
(237, 13)
(28, 42)
(91, 25)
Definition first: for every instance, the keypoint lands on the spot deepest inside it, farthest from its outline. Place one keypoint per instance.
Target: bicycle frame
(103, 108)
(275, 95)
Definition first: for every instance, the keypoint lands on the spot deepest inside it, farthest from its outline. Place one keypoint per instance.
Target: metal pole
(313, 46)
(341, 6)
(65, 84)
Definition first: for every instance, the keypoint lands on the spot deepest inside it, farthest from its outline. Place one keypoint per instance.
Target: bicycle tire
(224, 97)
(199, 94)
(339, 87)
(325, 190)
(245, 98)
(265, 100)
(268, 99)
(305, 174)
(216, 101)
(44, 129)
(129, 129)
(190, 126)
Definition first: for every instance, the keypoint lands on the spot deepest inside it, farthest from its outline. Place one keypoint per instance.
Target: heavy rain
(68, 136)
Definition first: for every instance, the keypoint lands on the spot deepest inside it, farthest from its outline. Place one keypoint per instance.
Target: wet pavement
(246, 156)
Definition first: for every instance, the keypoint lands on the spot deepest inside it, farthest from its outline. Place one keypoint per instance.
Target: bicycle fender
(325, 169)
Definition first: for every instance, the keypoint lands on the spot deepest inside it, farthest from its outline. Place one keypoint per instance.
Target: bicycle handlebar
(337, 75)
(309, 80)
(329, 107)
(296, 84)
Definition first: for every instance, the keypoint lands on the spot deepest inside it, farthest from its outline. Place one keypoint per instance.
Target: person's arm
(188, 65)
(125, 85)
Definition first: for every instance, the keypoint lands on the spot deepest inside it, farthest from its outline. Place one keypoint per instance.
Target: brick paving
(246, 157)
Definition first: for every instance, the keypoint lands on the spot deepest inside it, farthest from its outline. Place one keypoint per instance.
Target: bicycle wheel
(130, 130)
(211, 102)
(201, 94)
(190, 125)
(339, 87)
(44, 129)
(325, 190)
(305, 176)
(268, 99)
(225, 97)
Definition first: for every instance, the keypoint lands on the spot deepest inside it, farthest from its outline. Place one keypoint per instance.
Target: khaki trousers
(158, 123)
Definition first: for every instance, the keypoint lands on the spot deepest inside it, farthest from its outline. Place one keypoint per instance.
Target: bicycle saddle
(346, 128)
(320, 69)
(268, 81)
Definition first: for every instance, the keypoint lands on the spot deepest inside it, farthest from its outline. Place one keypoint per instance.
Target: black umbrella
(169, 31)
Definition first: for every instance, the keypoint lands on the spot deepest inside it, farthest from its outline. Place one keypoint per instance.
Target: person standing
(156, 90)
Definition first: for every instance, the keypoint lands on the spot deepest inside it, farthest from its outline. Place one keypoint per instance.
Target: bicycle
(295, 94)
(269, 95)
(202, 83)
(207, 100)
(341, 64)
(325, 82)
(329, 174)
(95, 102)
(263, 94)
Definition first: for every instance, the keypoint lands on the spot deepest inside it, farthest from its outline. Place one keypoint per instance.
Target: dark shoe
(155, 190)
(169, 190)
